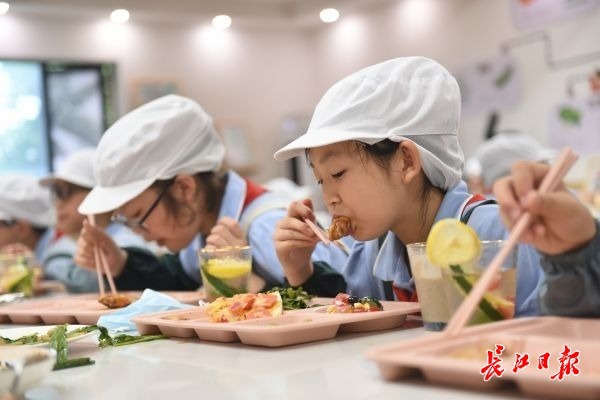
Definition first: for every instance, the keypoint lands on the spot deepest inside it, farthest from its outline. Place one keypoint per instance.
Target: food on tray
(245, 306)
(340, 227)
(116, 300)
(345, 303)
(293, 299)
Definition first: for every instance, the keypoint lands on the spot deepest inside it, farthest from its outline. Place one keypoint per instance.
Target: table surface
(177, 368)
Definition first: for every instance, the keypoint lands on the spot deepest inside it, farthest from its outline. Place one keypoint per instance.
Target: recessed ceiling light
(119, 16)
(4, 6)
(221, 21)
(329, 15)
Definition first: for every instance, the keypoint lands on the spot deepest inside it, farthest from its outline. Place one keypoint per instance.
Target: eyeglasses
(63, 192)
(139, 223)
(7, 223)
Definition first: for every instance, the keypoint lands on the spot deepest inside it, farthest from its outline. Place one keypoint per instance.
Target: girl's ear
(184, 188)
(411, 161)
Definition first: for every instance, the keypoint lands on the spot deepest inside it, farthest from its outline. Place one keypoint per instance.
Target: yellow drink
(225, 271)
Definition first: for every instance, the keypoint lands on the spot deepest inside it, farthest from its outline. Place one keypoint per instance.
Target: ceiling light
(119, 16)
(329, 15)
(4, 6)
(221, 21)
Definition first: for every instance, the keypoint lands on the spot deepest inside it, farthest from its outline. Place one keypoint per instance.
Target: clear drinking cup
(430, 288)
(498, 302)
(225, 271)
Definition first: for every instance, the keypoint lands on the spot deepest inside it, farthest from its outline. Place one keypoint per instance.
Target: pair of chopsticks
(102, 263)
(321, 234)
(552, 179)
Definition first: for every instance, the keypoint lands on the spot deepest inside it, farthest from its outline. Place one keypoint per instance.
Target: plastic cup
(430, 288)
(498, 303)
(441, 290)
(225, 271)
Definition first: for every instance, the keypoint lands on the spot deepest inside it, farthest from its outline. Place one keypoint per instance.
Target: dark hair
(382, 154)
(213, 184)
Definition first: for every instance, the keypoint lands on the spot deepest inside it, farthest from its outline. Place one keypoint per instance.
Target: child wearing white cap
(26, 214)
(383, 145)
(566, 234)
(496, 156)
(158, 169)
(69, 186)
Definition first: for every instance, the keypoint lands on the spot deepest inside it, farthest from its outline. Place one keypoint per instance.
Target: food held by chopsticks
(115, 300)
(340, 227)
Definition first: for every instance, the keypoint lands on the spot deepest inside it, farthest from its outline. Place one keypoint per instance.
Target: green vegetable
(484, 305)
(121, 340)
(292, 298)
(58, 341)
(220, 286)
(57, 338)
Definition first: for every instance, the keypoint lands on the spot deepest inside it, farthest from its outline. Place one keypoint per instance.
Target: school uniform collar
(390, 264)
(233, 197)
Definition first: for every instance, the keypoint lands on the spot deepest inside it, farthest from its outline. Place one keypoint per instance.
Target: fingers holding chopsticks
(92, 236)
(560, 221)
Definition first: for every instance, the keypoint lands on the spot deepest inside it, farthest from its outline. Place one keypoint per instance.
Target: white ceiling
(294, 12)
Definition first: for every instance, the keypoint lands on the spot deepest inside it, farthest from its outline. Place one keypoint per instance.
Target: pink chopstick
(552, 179)
(318, 231)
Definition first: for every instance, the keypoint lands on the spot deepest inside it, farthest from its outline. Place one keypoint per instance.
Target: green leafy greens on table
(57, 338)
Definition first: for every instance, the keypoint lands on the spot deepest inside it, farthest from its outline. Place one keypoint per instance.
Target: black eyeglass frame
(139, 224)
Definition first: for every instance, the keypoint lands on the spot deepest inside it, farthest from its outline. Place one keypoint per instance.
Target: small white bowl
(38, 363)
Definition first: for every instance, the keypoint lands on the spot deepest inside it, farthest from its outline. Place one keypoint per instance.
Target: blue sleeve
(572, 283)
(260, 237)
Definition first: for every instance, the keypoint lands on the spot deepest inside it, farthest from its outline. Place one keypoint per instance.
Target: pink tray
(71, 309)
(458, 361)
(293, 327)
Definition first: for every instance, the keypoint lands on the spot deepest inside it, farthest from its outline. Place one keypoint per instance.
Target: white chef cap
(411, 98)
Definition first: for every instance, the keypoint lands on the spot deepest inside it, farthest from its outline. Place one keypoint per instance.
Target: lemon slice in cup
(451, 242)
(228, 269)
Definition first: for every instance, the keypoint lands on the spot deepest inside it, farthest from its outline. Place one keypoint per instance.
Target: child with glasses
(68, 187)
(159, 172)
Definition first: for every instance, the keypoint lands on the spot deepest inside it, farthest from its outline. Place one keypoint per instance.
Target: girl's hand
(227, 232)
(561, 222)
(92, 236)
(295, 242)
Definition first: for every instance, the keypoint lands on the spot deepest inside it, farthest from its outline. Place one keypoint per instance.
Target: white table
(174, 369)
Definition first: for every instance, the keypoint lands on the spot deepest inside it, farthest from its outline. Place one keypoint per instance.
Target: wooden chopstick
(102, 262)
(552, 179)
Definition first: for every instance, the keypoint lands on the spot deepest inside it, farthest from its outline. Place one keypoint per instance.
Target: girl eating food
(383, 146)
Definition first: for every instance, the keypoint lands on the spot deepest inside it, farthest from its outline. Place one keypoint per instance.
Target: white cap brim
(50, 179)
(317, 139)
(105, 199)
(5, 217)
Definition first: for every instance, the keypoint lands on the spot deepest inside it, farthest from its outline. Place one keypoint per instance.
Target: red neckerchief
(253, 190)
